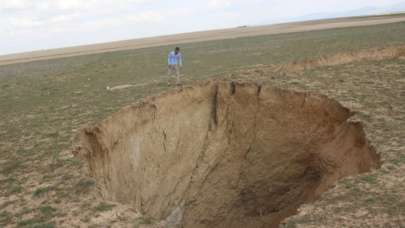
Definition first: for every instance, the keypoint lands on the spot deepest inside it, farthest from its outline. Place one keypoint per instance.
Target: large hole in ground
(225, 154)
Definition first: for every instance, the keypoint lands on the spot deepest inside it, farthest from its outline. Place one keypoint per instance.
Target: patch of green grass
(41, 220)
(31, 223)
(39, 192)
(371, 200)
(288, 224)
(44, 225)
(371, 179)
(47, 211)
(102, 207)
(143, 221)
(348, 183)
(400, 160)
(5, 217)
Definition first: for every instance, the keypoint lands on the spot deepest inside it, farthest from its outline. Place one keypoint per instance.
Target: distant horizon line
(395, 13)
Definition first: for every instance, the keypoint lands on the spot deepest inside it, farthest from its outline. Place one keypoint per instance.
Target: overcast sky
(27, 25)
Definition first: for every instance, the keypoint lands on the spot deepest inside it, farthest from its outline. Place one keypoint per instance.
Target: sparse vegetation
(45, 100)
(369, 179)
(103, 206)
(39, 192)
(400, 160)
(47, 211)
(5, 217)
(143, 221)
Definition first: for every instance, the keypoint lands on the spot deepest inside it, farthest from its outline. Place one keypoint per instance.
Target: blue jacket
(174, 59)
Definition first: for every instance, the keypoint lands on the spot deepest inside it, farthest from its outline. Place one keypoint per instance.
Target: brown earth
(225, 154)
(201, 36)
(372, 54)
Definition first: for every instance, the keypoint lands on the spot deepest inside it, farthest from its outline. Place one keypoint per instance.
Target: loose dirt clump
(225, 154)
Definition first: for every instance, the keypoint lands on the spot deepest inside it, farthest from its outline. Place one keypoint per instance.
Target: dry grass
(221, 34)
(375, 54)
(43, 104)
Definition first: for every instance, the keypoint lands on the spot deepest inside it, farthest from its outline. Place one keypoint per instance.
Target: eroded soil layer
(225, 154)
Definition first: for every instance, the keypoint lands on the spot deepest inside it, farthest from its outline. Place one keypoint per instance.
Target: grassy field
(193, 37)
(44, 103)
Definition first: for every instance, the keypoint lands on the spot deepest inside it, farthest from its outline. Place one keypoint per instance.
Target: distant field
(44, 103)
(202, 36)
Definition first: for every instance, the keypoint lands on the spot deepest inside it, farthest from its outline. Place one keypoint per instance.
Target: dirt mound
(225, 154)
(373, 54)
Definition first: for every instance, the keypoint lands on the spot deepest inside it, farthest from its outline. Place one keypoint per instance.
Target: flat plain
(230, 33)
(45, 103)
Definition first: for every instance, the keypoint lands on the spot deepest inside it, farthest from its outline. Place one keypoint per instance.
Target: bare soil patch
(225, 154)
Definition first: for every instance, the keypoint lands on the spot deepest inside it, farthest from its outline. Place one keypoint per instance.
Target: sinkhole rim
(209, 113)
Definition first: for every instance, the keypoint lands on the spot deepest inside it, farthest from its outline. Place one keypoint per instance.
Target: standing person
(175, 62)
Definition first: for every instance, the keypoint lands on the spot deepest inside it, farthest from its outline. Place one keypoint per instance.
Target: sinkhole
(224, 154)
